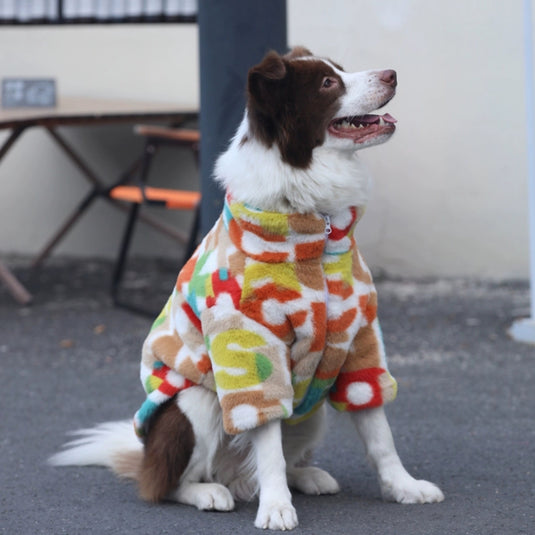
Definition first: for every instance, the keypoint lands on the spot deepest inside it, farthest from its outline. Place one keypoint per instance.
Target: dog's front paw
(276, 515)
(410, 490)
(312, 480)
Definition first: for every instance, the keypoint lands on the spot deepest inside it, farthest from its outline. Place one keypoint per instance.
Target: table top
(85, 110)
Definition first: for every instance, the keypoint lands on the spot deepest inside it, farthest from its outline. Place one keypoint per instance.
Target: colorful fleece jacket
(274, 312)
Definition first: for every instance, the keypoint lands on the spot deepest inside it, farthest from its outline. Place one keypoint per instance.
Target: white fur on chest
(255, 174)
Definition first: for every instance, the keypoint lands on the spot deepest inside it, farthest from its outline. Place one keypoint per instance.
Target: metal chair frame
(137, 193)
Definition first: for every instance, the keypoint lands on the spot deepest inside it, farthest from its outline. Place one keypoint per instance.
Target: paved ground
(464, 417)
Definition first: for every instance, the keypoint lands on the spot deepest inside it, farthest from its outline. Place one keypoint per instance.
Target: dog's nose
(389, 77)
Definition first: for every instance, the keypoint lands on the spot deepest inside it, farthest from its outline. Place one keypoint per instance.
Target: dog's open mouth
(362, 128)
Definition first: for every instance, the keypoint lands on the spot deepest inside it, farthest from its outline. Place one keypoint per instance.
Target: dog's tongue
(374, 119)
(387, 118)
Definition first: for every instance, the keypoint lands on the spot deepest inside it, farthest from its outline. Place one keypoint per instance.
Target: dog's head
(299, 102)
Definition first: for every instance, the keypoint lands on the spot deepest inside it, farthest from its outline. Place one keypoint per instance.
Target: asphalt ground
(464, 416)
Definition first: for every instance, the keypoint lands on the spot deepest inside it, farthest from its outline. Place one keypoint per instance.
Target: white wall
(40, 186)
(143, 61)
(450, 187)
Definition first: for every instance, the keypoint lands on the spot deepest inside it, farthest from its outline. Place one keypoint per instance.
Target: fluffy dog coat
(275, 313)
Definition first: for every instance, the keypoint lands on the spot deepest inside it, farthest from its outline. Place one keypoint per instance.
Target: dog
(274, 314)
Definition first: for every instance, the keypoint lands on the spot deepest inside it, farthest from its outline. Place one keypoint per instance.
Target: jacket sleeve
(364, 380)
(251, 369)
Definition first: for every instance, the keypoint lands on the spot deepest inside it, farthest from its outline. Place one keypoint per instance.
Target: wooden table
(79, 111)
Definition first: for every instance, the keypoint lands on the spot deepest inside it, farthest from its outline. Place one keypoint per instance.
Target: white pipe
(530, 117)
(523, 330)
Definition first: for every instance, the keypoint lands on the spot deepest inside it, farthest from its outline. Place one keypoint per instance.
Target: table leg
(65, 227)
(10, 140)
(98, 190)
(86, 171)
(90, 176)
(16, 289)
(14, 286)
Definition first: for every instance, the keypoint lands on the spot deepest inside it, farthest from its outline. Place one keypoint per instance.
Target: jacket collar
(277, 237)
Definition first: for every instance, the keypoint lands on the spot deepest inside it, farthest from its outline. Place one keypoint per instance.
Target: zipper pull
(328, 228)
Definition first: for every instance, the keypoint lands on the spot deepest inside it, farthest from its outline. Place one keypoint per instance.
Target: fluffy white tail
(112, 444)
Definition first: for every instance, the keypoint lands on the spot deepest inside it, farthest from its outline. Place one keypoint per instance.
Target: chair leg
(119, 267)
(120, 263)
(14, 286)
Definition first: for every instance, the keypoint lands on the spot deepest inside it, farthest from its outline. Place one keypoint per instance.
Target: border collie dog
(274, 314)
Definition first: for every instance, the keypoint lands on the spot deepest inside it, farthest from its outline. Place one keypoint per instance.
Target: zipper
(327, 231)
(328, 228)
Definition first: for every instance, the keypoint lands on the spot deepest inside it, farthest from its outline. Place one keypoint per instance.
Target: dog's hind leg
(204, 496)
(167, 452)
(275, 509)
(298, 442)
(196, 486)
(312, 480)
(395, 482)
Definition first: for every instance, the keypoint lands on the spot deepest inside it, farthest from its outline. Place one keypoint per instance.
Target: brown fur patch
(298, 52)
(168, 448)
(128, 464)
(288, 105)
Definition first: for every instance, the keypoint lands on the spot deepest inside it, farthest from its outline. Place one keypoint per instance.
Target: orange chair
(137, 193)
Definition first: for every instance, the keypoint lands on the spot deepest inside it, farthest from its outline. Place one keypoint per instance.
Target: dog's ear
(272, 67)
(298, 52)
(263, 80)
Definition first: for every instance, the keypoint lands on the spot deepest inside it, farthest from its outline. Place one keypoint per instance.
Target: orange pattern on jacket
(276, 315)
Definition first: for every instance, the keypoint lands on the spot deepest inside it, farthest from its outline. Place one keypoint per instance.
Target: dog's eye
(328, 82)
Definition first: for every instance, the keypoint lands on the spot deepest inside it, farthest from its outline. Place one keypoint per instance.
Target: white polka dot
(359, 393)
(342, 219)
(244, 416)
